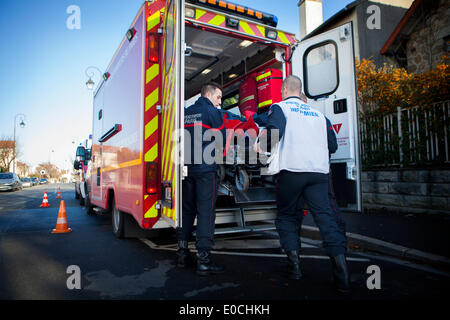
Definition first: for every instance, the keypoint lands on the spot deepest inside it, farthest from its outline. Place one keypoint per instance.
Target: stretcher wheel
(221, 172)
(242, 180)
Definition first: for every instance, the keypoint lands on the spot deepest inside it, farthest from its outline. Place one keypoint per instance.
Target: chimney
(311, 16)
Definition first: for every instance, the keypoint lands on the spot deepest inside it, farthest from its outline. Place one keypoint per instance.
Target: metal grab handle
(114, 130)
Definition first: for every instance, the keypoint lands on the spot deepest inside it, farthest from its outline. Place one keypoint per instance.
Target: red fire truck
(171, 49)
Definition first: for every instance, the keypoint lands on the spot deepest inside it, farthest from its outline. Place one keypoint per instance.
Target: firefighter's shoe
(184, 258)
(294, 271)
(341, 275)
(205, 265)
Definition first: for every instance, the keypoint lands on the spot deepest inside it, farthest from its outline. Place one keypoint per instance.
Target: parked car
(43, 181)
(10, 181)
(35, 181)
(26, 182)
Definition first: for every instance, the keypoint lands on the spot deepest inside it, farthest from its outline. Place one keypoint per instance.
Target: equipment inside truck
(230, 61)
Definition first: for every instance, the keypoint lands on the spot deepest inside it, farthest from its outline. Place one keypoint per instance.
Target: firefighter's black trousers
(334, 207)
(199, 200)
(313, 187)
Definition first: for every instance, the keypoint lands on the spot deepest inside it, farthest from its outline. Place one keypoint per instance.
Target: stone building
(421, 38)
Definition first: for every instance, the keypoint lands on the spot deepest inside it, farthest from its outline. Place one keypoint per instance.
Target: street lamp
(50, 153)
(90, 83)
(22, 125)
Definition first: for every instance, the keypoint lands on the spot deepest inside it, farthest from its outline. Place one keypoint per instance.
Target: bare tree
(7, 154)
(51, 171)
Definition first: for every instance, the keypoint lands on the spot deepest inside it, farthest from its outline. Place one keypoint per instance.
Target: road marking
(405, 263)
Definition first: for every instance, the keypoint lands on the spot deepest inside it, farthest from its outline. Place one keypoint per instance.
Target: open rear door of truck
(172, 112)
(326, 65)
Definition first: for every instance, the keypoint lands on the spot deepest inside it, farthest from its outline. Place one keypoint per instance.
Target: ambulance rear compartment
(229, 61)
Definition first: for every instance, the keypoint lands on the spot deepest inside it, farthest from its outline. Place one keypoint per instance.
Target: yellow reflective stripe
(265, 75)
(123, 165)
(151, 155)
(168, 149)
(152, 212)
(151, 99)
(217, 20)
(165, 145)
(246, 28)
(154, 20)
(145, 197)
(170, 213)
(169, 152)
(152, 72)
(283, 37)
(151, 127)
(265, 103)
(199, 13)
(262, 30)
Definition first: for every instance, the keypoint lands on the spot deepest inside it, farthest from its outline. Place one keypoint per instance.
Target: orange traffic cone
(45, 203)
(61, 223)
(59, 194)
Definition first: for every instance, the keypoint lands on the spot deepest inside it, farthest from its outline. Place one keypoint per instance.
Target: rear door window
(319, 60)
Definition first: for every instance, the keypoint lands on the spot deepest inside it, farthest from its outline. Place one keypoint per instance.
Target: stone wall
(428, 42)
(407, 190)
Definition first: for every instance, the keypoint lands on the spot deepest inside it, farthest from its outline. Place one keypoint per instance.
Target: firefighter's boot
(184, 258)
(294, 271)
(206, 266)
(341, 275)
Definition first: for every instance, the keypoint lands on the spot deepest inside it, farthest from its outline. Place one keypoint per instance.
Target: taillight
(153, 49)
(151, 178)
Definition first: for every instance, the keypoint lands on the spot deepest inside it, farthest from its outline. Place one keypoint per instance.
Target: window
(321, 70)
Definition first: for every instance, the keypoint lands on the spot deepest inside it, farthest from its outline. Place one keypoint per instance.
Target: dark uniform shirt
(200, 117)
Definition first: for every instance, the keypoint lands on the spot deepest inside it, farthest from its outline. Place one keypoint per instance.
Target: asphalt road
(34, 263)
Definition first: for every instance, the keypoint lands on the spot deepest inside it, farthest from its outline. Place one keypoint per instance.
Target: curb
(379, 246)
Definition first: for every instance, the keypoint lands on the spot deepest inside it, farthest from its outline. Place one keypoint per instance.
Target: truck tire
(117, 220)
(89, 207)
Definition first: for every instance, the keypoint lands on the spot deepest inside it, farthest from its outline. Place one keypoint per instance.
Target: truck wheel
(242, 181)
(89, 207)
(117, 220)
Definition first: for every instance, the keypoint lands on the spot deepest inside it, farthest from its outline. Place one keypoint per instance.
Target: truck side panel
(122, 115)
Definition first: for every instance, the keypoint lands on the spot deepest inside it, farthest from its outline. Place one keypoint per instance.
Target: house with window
(421, 38)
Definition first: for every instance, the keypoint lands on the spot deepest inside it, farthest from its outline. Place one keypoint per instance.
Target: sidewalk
(416, 237)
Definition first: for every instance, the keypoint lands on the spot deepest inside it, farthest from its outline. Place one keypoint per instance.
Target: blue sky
(42, 65)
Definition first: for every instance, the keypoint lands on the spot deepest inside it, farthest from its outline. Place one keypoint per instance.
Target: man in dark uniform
(303, 173)
(199, 187)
